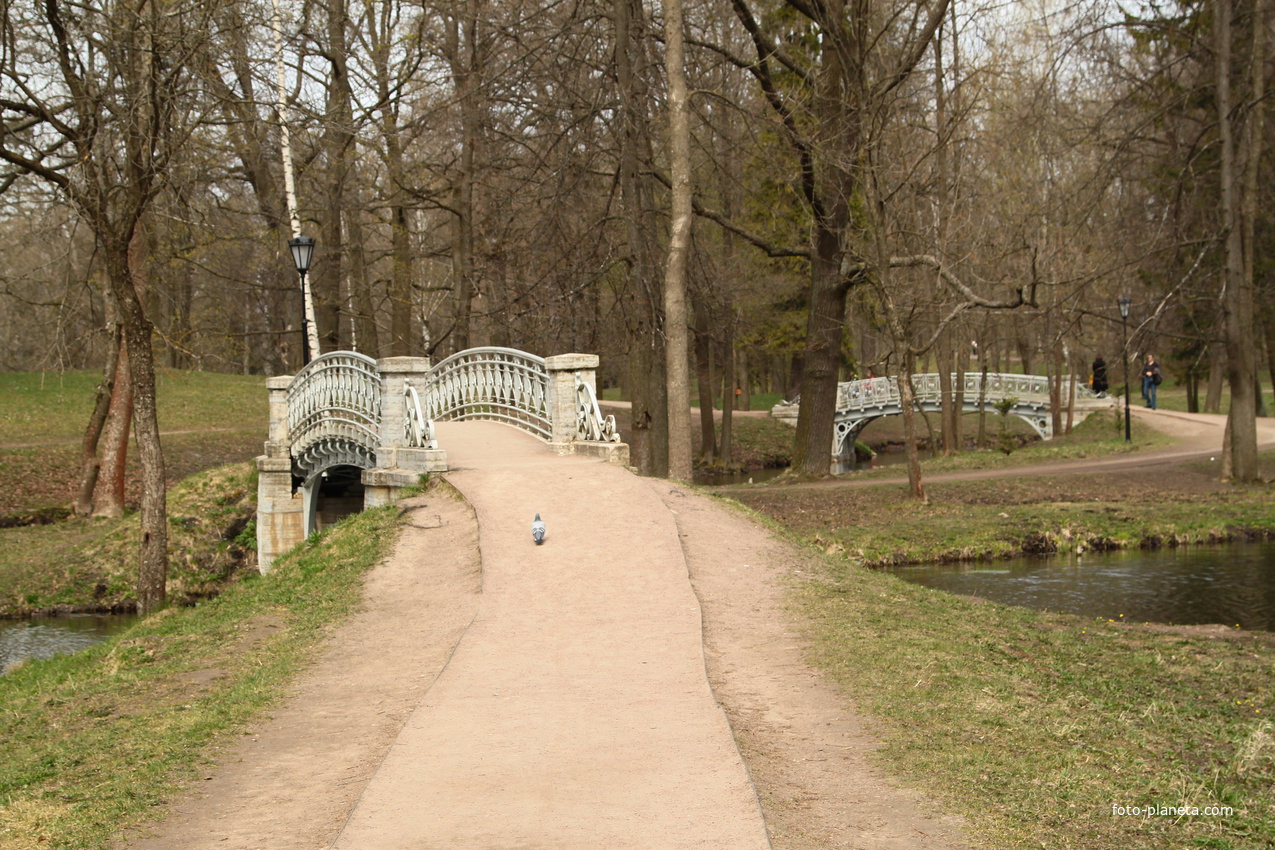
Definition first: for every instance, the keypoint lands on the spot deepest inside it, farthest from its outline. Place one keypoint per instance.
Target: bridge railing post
(280, 511)
(398, 465)
(564, 371)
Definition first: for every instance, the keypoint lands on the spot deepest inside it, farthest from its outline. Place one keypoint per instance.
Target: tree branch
(771, 249)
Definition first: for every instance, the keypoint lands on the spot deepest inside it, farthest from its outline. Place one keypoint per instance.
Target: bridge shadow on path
(575, 711)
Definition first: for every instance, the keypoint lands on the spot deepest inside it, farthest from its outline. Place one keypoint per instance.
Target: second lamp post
(1124, 355)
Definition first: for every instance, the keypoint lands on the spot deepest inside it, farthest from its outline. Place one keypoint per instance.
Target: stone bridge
(861, 402)
(349, 432)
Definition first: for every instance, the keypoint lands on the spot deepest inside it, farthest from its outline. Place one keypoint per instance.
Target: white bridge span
(364, 428)
(861, 402)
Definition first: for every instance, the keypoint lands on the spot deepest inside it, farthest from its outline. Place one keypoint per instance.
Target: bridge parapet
(346, 410)
(860, 402)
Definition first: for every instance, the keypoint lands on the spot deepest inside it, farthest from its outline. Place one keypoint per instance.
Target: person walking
(1098, 378)
(1151, 377)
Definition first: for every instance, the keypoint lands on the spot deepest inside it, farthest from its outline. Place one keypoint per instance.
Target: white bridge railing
(884, 392)
(500, 384)
(343, 407)
(334, 411)
(860, 402)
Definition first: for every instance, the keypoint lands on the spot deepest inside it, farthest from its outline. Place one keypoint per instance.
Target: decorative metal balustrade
(860, 402)
(334, 404)
(334, 412)
(590, 423)
(884, 392)
(500, 384)
(345, 409)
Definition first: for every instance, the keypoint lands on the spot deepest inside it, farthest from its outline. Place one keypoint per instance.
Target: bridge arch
(351, 429)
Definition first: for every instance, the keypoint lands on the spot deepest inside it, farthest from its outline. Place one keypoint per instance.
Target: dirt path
(575, 712)
(289, 782)
(516, 710)
(568, 704)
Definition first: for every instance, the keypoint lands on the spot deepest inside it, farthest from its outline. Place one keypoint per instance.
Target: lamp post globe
(302, 248)
(1124, 303)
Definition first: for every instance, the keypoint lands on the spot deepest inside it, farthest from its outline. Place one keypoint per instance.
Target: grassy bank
(1034, 726)
(83, 564)
(999, 518)
(96, 741)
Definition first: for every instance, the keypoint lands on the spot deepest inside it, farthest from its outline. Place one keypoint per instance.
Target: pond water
(45, 637)
(1232, 584)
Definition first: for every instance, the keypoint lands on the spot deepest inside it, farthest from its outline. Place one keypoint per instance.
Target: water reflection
(45, 637)
(1231, 584)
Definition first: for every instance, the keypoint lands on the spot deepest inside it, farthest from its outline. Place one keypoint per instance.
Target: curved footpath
(558, 696)
(575, 712)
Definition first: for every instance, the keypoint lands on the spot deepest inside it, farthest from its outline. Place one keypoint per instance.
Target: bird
(538, 530)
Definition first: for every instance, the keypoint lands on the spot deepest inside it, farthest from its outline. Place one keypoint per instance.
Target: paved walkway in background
(575, 712)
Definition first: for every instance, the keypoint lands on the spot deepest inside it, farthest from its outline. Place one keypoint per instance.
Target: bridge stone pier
(349, 432)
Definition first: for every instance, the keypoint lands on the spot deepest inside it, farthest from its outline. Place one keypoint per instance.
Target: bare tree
(96, 100)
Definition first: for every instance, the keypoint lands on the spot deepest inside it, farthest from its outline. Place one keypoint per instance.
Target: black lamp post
(302, 248)
(1125, 303)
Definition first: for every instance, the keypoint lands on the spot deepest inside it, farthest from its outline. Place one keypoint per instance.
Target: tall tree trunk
(462, 54)
(649, 442)
(153, 569)
(112, 479)
(729, 382)
(907, 401)
(949, 414)
(89, 465)
(1238, 300)
(338, 145)
(982, 406)
(676, 328)
(1055, 366)
(704, 377)
(821, 358)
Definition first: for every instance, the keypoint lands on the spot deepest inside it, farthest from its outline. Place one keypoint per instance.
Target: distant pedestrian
(1151, 377)
(1098, 380)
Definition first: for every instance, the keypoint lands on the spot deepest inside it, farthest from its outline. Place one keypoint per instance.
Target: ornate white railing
(590, 423)
(884, 392)
(501, 384)
(418, 431)
(334, 405)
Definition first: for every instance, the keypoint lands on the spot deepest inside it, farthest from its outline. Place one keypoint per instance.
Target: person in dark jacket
(1151, 377)
(1098, 380)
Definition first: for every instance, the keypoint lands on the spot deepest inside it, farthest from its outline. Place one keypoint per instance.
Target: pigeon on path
(538, 530)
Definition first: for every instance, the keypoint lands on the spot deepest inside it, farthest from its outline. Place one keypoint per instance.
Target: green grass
(50, 407)
(1033, 726)
(92, 563)
(1101, 435)
(97, 741)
